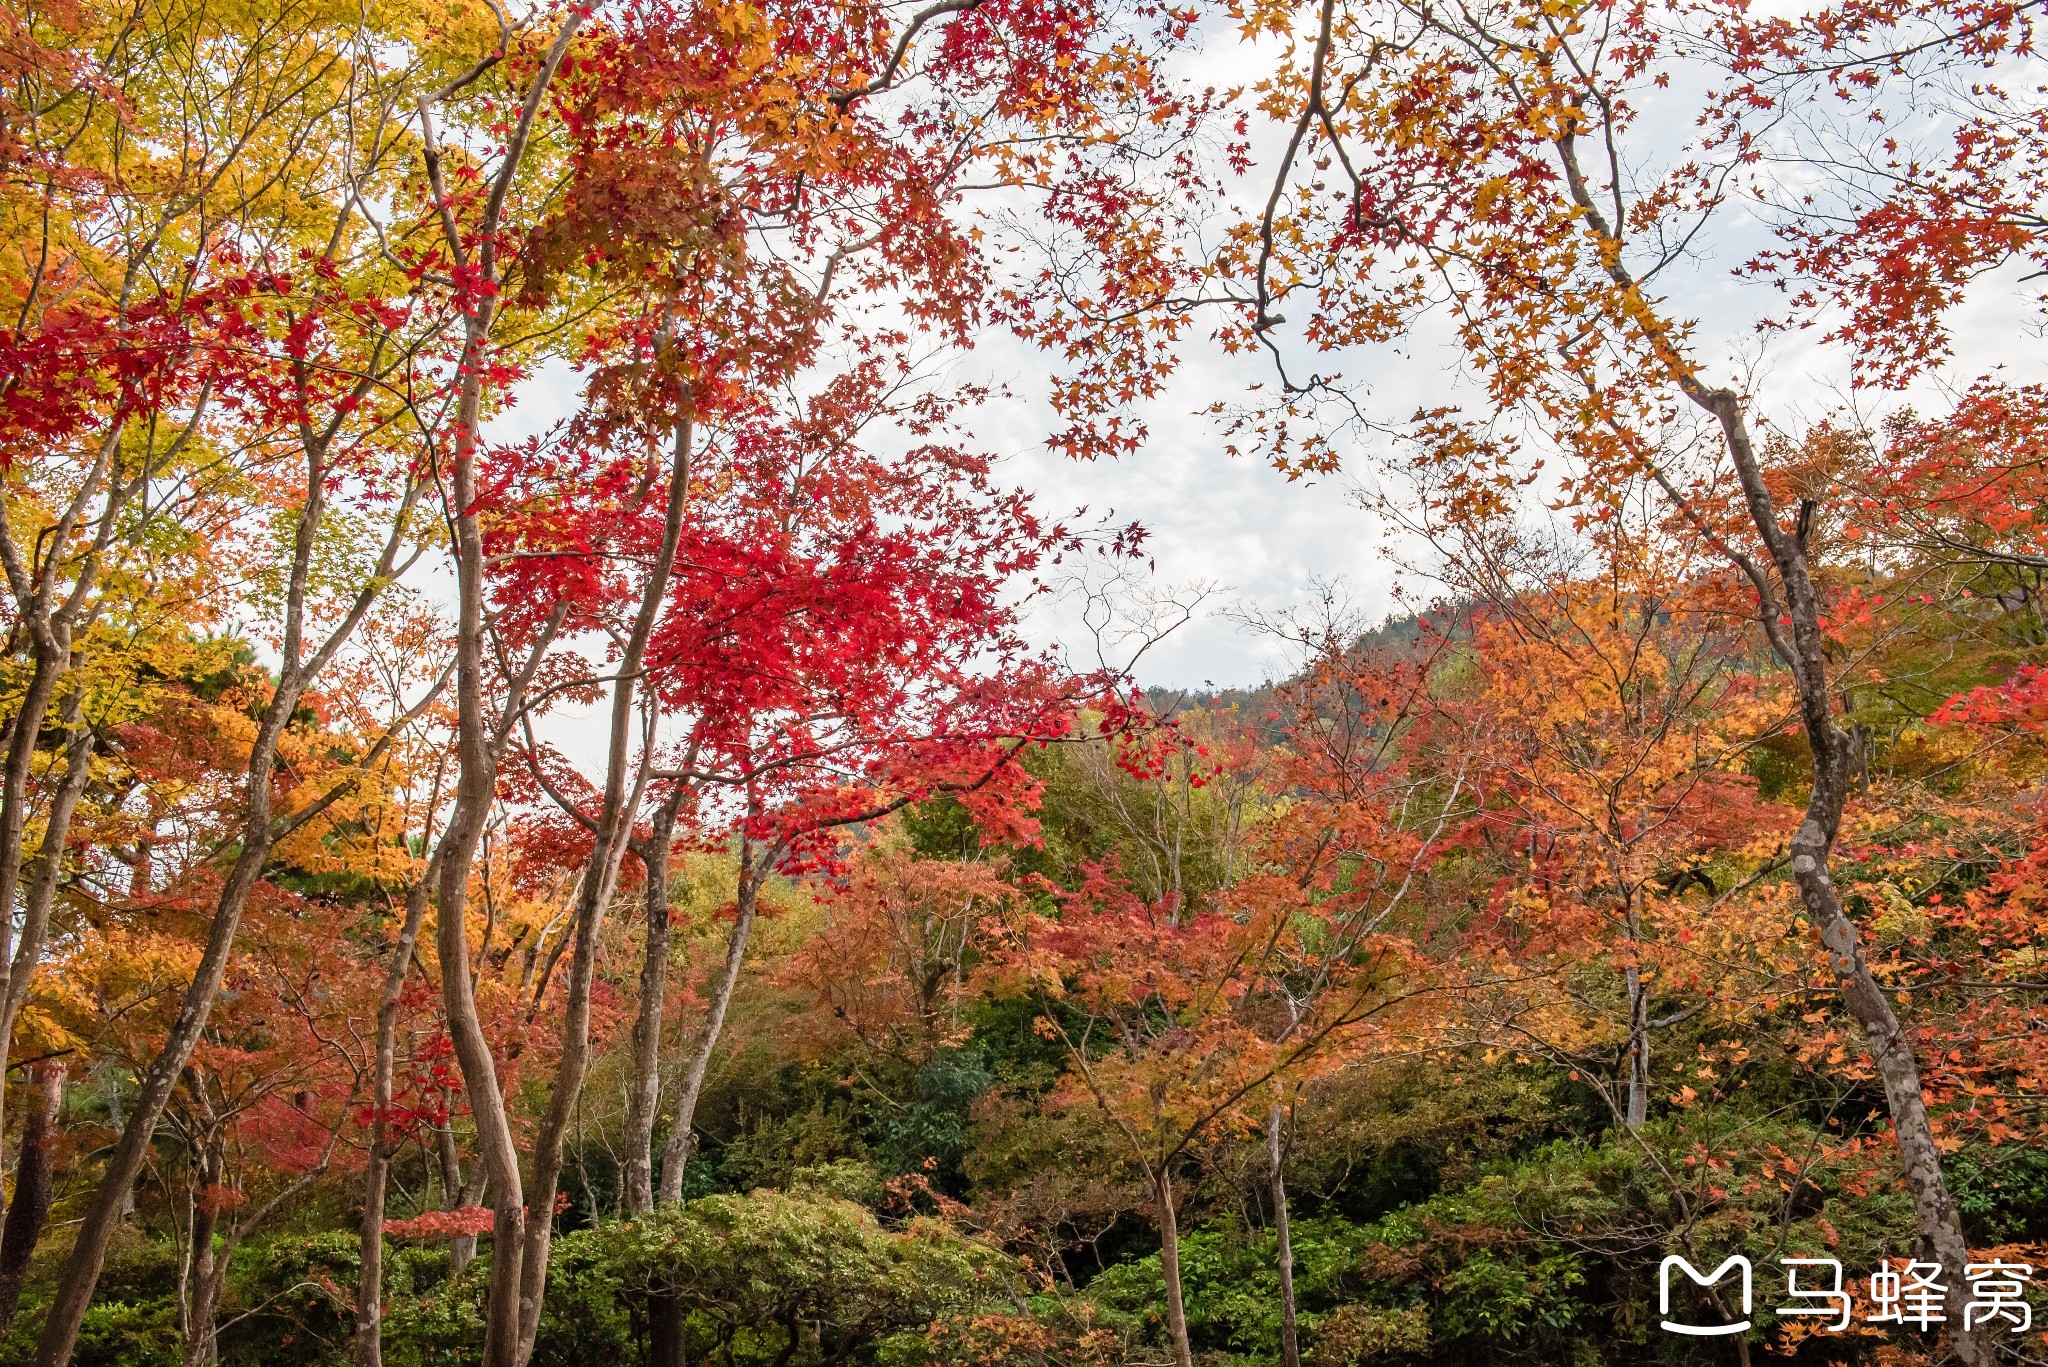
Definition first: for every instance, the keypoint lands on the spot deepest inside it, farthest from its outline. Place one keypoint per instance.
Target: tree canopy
(641, 888)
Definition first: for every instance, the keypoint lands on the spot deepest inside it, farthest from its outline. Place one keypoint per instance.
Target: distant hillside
(1254, 703)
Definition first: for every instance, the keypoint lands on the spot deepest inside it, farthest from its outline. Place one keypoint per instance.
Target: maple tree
(905, 933)
(1182, 1021)
(1493, 162)
(783, 99)
(864, 983)
(239, 355)
(822, 669)
(1601, 742)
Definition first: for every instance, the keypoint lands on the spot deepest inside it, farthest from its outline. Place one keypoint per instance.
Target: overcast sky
(1266, 542)
(1261, 542)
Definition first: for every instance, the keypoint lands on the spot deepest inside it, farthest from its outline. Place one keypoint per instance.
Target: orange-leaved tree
(1496, 164)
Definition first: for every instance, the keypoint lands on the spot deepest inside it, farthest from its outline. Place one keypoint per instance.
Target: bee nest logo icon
(1676, 1263)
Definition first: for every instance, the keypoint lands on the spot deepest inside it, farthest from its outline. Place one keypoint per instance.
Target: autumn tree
(763, 122)
(282, 364)
(1185, 1024)
(1494, 163)
(819, 663)
(1601, 743)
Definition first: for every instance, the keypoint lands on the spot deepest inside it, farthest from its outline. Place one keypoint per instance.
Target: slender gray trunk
(52, 651)
(456, 1194)
(1169, 1266)
(664, 1309)
(47, 871)
(1276, 1161)
(258, 835)
(550, 1139)
(297, 669)
(47, 874)
(475, 789)
(22, 733)
(1834, 763)
(676, 1154)
(199, 1282)
(643, 1099)
(211, 1249)
(370, 1275)
(1833, 751)
(613, 832)
(53, 615)
(476, 745)
(103, 1216)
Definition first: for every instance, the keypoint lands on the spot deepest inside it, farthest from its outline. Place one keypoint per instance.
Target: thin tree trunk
(456, 1194)
(613, 830)
(476, 748)
(664, 1308)
(197, 1292)
(53, 616)
(1833, 750)
(461, 1252)
(676, 1154)
(475, 788)
(370, 1276)
(1637, 1108)
(109, 1079)
(22, 733)
(81, 1273)
(202, 1347)
(665, 1312)
(1169, 1266)
(550, 1139)
(48, 871)
(34, 1180)
(213, 1248)
(52, 650)
(1276, 1154)
(259, 833)
(644, 1099)
(45, 877)
(296, 671)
